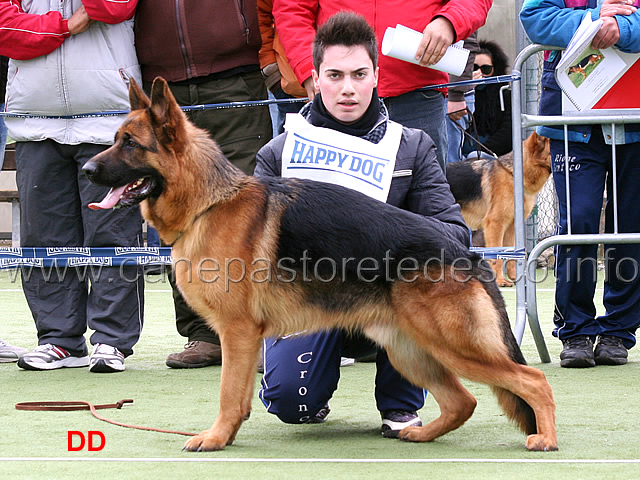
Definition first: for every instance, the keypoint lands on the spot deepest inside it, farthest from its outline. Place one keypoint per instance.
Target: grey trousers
(54, 195)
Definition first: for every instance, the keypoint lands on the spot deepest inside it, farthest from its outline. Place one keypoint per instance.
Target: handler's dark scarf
(320, 117)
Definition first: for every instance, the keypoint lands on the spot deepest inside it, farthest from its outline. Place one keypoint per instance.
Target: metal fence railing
(526, 302)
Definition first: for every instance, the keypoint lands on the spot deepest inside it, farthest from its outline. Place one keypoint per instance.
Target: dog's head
(536, 151)
(135, 165)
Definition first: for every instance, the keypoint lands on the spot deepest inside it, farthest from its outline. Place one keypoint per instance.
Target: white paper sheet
(402, 43)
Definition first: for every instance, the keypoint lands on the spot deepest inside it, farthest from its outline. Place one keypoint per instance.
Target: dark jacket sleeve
(269, 158)
(456, 94)
(429, 193)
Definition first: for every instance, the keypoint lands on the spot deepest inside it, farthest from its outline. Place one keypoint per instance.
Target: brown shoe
(196, 355)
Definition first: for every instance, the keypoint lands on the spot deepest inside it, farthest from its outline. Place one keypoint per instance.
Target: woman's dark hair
(488, 111)
(498, 57)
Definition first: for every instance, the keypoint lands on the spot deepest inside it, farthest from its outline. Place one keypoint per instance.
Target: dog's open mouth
(127, 195)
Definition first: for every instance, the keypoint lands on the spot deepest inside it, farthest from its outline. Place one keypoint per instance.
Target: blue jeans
(283, 109)
(153, 240)
(576, 272)
(455, 137)
(425, 110)
(3, 136)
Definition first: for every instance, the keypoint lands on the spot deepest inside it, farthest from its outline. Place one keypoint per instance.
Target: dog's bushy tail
(516, 409)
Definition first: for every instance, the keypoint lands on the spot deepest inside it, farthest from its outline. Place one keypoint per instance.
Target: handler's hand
(609, 32)
(436, 38)
(456, 110)
(79, 21)
(609, 8)
(608, 35)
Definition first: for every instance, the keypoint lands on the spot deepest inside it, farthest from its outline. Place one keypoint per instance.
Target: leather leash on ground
(80, 405)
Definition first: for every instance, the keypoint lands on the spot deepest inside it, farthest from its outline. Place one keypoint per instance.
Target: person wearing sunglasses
(490, 132)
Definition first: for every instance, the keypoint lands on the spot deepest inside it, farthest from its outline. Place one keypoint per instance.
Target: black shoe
(577, 352)
(321, 416)
(610, 350)
(395, 420)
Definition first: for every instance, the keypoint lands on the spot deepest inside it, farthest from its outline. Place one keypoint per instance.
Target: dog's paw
(205, 442)
(504, 283)
(414, 434)
(539, 443)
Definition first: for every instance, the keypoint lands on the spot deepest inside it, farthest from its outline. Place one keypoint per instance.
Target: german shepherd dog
(484, 190)
(248, 236)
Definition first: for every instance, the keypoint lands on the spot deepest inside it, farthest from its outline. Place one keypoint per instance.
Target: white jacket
(88, 73)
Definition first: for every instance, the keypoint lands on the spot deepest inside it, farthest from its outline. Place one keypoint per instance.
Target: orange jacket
(272, 51)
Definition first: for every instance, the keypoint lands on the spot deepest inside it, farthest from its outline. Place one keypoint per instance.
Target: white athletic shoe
(346, 361)
(50, 357)
(106, 359)
(9, 353)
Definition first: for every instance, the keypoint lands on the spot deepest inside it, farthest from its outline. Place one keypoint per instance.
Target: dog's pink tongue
(110, 200)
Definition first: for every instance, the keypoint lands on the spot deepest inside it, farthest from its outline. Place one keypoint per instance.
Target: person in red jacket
(443, 22)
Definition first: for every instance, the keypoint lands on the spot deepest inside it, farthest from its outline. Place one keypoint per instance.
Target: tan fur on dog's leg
(455, 402)
(240, 347)
(461, 327)
(510, 239)
(494, 236)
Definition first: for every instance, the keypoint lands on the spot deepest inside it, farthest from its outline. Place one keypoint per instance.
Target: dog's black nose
(91, 169)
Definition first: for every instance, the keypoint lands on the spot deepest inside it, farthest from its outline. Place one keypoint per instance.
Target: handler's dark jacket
(180, 39)
(419, 187)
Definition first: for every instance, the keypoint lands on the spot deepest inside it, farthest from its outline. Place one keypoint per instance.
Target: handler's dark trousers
(576, 268)
(54, 195)
(301, 372)
(240, 133)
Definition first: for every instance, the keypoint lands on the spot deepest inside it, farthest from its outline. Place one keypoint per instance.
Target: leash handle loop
(81, 405)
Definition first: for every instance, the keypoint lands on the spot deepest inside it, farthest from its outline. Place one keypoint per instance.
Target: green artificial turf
(596, 414)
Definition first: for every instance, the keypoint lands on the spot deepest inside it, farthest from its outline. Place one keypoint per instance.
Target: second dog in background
(484, 190)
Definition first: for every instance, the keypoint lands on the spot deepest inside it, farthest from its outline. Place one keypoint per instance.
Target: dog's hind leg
(465, 327)
(455, 402)
(240, 346)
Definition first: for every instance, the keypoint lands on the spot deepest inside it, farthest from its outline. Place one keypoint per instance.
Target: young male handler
(398, 165)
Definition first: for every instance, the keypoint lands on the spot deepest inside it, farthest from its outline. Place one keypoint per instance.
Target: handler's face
(346, 81)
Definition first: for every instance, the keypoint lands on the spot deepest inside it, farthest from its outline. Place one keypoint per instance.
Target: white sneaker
(9, 353)
(50, 357)
(346, 361)
(106, 359)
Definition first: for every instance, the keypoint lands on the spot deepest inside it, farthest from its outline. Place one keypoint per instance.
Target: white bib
(326, 155)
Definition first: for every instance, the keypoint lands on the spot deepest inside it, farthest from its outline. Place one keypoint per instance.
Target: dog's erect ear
(137, 98)
(541, 142)
(165, 111)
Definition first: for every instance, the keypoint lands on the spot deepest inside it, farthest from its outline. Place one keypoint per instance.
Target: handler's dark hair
(348, 29)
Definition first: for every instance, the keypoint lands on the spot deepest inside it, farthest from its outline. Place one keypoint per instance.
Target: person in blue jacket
(553, 22)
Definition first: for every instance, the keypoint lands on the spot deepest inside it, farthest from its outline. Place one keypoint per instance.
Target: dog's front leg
(240, 345)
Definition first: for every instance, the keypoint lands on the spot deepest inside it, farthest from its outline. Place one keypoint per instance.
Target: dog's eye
(130, 143)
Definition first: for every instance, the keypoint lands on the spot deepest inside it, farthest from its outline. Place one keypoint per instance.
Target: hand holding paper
(403, 42)
(597, 78)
